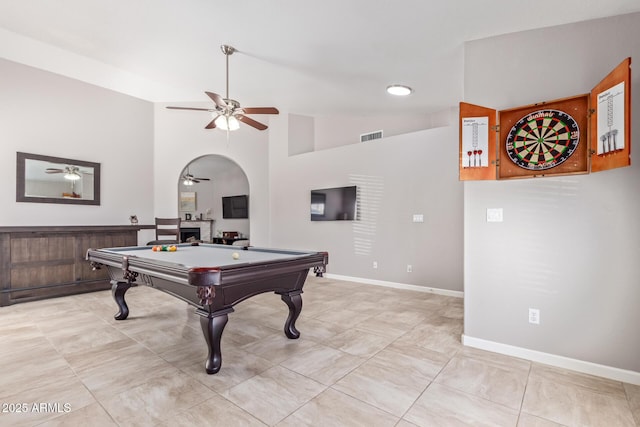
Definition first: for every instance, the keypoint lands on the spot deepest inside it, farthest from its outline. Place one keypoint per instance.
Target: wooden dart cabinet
(575, 135)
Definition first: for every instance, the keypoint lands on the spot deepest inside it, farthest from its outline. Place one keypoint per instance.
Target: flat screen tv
(235, 207)
(334, 204)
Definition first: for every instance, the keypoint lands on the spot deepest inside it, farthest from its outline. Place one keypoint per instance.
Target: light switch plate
(418, 218)
(494, 215)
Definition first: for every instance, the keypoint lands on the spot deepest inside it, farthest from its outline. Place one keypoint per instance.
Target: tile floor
(368, 356)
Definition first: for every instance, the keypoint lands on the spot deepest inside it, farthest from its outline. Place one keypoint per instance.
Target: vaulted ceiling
(314, 58)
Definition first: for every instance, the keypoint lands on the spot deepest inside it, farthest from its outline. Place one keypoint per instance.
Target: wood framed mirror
(48, 179)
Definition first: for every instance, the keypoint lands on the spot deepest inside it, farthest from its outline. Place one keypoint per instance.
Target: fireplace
(199, 229)
(187, 232)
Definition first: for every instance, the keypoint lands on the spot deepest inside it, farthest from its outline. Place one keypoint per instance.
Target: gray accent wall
(569, 246)
(397, 177)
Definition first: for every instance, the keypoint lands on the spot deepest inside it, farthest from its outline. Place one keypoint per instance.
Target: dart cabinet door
(611, 120)
(478, 134)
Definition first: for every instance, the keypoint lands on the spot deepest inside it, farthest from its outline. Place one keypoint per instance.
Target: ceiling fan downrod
(227, 50)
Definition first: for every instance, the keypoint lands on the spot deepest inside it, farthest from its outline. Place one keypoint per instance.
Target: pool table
(210, 278)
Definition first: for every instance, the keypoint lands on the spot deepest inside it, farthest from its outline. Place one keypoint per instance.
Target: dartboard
(543, 139)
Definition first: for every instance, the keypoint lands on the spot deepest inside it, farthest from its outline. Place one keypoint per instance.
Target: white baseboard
(396, 285)
(630, 377)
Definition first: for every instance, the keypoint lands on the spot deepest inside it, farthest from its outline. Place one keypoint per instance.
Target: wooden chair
(167, 231)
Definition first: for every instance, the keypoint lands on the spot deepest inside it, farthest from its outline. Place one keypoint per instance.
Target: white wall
(397, 177)
(568, 246)
(301, 134)
(44, 113)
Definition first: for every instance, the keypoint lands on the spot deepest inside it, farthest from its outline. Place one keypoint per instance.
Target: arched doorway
(204, 202)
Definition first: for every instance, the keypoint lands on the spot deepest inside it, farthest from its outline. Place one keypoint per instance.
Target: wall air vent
(365, 137)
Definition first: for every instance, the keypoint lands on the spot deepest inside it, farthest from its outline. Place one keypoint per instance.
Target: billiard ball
(235, 255)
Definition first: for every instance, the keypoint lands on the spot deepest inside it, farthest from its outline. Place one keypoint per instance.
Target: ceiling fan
(227, 112)
(188, 179)
(70, 172)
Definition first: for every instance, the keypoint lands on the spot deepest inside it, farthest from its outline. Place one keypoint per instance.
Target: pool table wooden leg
(212, 327)
(118, 289)
(294, 302)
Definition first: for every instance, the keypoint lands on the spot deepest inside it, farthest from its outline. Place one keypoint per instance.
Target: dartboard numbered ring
(543, 139)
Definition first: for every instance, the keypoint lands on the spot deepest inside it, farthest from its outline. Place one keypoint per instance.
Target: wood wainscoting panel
(27, 275)
(39, 247)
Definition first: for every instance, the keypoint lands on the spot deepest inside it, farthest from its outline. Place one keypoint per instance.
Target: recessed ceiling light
(399, 90)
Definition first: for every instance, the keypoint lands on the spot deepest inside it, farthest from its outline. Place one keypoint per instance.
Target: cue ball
(235, 255)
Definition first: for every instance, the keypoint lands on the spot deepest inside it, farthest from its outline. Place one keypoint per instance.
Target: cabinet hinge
(590, 111)
(495, 128)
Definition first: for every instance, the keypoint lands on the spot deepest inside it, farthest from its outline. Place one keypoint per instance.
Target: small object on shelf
(235, 255)
(133, 219)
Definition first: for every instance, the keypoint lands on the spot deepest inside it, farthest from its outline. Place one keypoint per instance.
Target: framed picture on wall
(188, 201)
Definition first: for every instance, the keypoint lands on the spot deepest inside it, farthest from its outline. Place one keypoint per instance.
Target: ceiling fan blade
(52, 170)
(190, 108)
(261, 110)
(251, 122)
(203, 179)
(212, 124)
(217, 99)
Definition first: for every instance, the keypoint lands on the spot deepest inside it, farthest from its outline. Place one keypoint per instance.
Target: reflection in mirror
(47, 179)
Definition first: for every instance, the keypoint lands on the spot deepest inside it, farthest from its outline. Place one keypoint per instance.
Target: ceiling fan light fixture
(187, 182)
(72, 176)
(227, 122)
(399, 90)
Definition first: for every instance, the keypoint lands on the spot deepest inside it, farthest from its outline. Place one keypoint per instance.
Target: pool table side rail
(178, 272)
(175, 276)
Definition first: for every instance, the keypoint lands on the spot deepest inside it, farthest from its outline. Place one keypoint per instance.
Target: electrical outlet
(375, 264)
(409, 268)
(534, 316)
